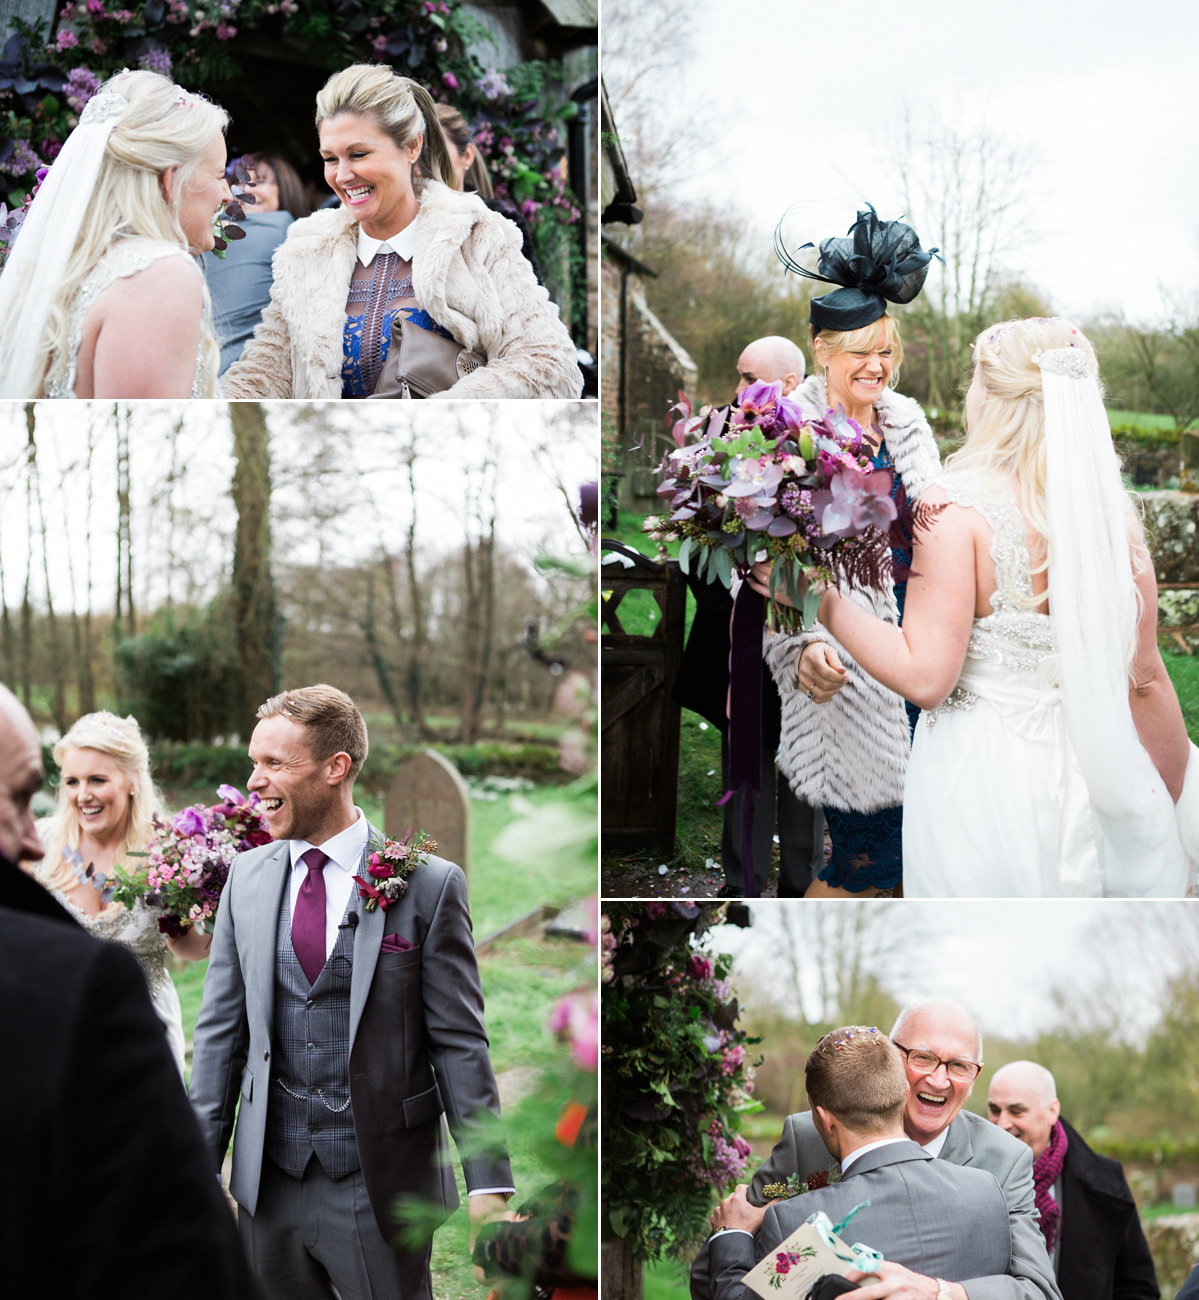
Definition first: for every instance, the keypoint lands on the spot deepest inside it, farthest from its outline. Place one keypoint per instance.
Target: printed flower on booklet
(785, 1260)
(800, 493)
(390, 866)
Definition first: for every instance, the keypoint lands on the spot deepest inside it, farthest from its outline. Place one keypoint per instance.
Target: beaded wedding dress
(124, 258)
(996, 803)
(138, 931)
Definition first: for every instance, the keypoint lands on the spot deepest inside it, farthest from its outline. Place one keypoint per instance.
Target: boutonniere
(390, 867)
(797, 1186)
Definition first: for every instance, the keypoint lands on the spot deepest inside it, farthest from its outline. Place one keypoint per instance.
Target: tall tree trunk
(370, 632)
(7, 643)
(255, 607)
(87, 684)
(478, 561)
(621, 1273)
(124, 625)
(415, 674)
(57, 668)
(26, 606)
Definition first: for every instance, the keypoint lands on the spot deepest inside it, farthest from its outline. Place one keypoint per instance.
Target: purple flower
(156, 60)
(81, 85)
(230, 794)
(450, 80)
(67, 40)
(493, 85)
(855, 502)
(699, 968)
(190, 822)
(379, 45)
(21, 160)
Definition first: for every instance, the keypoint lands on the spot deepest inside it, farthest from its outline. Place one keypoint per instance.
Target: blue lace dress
(868, 847)
(378, 293)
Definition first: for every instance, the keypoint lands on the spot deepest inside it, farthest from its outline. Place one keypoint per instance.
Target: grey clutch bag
(422, 361)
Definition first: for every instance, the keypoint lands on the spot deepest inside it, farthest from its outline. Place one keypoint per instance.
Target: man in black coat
(105, 1188)
(702, 685)
(1088, 1215)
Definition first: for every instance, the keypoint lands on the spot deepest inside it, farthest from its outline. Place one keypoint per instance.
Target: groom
(343, 1033)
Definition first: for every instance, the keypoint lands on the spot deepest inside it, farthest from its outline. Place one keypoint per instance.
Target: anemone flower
(854, 502)
(764, 404)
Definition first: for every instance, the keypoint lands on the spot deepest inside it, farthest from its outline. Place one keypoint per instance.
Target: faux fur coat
(467, 273)
(852, 752)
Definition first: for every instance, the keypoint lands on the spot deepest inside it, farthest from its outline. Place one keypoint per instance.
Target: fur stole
(852, 752)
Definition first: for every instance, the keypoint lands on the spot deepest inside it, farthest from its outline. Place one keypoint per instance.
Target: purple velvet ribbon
(745, 721)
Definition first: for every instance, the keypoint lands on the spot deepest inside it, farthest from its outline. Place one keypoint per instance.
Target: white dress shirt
(403, 243)
(869, 1146)
(934, 1147)
(344, 852)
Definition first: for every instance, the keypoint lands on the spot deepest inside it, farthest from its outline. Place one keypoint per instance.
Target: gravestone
(429, 793)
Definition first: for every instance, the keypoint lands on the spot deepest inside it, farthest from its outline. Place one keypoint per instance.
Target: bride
(105, 810)
(1053, 748)
(100, 296)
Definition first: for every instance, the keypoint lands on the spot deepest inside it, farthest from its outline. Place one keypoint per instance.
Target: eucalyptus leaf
(811, 603)
(685, 555)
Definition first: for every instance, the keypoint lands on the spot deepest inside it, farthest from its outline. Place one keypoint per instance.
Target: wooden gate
(639, 745)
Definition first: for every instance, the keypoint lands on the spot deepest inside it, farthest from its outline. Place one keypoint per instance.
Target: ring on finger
(811, 693)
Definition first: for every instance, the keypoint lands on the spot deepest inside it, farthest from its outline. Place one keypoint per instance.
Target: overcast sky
(1005, 960)
(362, 452)
(1105, 94)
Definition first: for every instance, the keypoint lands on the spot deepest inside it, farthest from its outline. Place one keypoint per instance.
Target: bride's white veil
(38, 261)
(1093, 601)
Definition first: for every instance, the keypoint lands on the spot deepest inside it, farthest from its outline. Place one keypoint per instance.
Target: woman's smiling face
(98, 790)
(369, 172)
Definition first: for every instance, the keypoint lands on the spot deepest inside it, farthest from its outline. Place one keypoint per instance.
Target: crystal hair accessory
(876, 262)
(104, 109)
(1071, 362)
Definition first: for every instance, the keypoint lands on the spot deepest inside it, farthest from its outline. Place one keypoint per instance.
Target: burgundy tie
(308, 919)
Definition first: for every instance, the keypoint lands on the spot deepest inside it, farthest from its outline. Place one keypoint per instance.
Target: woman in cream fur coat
(467, 270)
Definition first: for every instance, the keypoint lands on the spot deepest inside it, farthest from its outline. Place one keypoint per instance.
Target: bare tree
(57, 667)
(478, 568)
(125, 622)
(966, 191)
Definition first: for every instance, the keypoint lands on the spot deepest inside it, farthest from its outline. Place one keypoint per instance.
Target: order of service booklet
(789, 1270)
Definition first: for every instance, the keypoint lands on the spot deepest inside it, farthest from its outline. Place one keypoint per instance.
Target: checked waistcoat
(310, 1109)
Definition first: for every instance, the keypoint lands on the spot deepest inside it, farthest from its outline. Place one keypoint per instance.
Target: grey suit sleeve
(733, 1254)
(1030, 1274)
(222, 1036)
(452, 997)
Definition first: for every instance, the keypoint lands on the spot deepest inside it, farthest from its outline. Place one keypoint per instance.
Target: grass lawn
(1184, 673)
(666, 1279)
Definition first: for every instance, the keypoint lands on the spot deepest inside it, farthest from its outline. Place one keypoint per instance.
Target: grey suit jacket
(933, 1217)
(418, 1045)
(971, 1142)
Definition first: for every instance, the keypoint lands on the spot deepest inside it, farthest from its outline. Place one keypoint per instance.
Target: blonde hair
(401, 107)
(330, 718)
(862, 340)
(163, 127)
(1009, 435)
(457, 132)
(121, 739)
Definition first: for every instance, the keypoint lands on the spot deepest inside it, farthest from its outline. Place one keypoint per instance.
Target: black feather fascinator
(876, 262)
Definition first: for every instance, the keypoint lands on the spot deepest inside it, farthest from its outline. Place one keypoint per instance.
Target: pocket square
(394, 943)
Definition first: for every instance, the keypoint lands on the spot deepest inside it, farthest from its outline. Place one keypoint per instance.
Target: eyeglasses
(926, 1063)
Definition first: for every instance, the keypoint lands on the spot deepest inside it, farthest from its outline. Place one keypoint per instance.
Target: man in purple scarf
(1092, 1230)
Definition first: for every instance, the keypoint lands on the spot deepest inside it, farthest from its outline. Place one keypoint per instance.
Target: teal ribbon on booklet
(857, 1256)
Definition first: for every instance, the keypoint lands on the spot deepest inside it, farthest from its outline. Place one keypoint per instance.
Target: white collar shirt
(344, 852)
(403, 243)
(870, 1146)
(934, 1147)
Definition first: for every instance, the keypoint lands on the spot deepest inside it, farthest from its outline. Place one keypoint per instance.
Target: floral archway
(49, 71)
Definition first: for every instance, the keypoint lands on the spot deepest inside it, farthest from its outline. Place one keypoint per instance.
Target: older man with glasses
(942, 1049)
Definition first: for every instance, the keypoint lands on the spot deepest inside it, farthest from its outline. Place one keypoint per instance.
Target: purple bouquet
(801, 493)
(187, 865)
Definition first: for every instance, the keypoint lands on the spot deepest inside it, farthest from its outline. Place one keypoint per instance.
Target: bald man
(105, 1188)
(702, 685)
(1088, 1217)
